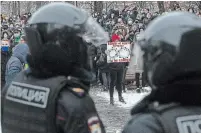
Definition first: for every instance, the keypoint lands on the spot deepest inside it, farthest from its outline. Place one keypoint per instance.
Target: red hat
(115, 37)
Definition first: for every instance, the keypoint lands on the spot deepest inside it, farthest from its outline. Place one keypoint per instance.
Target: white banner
(118, 52)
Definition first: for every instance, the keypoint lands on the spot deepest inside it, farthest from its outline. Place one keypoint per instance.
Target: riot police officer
(170, 51)
(52, 95)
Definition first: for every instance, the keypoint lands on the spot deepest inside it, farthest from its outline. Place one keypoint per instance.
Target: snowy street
(115, 117)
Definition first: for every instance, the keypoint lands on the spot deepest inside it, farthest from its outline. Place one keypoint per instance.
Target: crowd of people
(124, 26)
(130, 21)
(12, 34)
(52, 94)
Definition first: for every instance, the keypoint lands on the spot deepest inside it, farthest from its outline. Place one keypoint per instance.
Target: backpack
(101, 60)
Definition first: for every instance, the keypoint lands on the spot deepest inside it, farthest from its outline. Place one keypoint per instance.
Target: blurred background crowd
(124, 21)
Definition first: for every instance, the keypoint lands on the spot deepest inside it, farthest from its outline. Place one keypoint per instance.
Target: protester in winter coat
(17, 62)
(16, 37)
(103, 67)
(116, 79)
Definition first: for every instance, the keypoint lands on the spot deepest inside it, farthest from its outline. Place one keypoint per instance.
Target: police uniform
(165, 118)
(170, 52)
(52, 94)
(50, 105)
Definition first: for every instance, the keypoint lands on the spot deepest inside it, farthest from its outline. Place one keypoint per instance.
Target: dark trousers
(116, 79)
(4, 59)
(137, 78)
(143, 80)
(124, 79)
(100, 77)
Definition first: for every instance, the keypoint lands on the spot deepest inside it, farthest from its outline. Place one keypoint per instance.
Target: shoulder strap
(161, 121)
(158, 114)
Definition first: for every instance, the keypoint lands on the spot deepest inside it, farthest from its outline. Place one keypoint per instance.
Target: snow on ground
(131, 97)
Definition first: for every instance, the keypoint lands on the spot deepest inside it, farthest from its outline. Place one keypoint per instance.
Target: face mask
(148, 16)
(130, 22)
(190, 11)
(105, 16)
(183, 9)
(16, 34)
(112, 15)
(113, 23)
(137, 36)
(11, 26)
(5, 35)
(119, 20)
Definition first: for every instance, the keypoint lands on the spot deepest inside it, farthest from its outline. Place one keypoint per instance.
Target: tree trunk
(70, 2)
(124, 3)
(76, 4)
(28, 8)
(98, 6)
(13, 8)
(199, 6)
(161, 6)
(38, 4)
(18, 8)
(142, 4)
(172, 3)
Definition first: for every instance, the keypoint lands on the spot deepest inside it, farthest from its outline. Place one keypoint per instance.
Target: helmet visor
(94, 33)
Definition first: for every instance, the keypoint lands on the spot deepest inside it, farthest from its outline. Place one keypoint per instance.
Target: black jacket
(71, 112)
(163, 119)
(75, 111)
(117, 66)
(4, 59)
(179, 110)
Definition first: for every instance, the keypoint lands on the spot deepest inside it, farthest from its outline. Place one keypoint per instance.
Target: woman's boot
(111, 100)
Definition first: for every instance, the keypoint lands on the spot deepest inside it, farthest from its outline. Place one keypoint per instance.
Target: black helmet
(171, 47)
(58, 34)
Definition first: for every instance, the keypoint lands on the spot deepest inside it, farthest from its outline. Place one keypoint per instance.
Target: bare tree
(28, 8)
(172, 3)
(18, 8)
(142, 4)
(38, 4)
(98, 6)
(161, 6)
(13, 7)
(199, 4)
(71, 2)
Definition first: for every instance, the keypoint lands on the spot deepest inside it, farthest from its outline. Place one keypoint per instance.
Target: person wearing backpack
(103, 67)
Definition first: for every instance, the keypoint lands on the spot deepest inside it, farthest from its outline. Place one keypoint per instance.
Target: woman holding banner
(116, 78)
